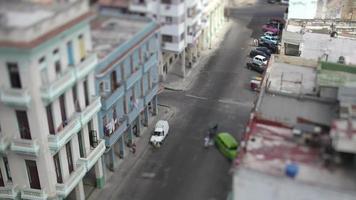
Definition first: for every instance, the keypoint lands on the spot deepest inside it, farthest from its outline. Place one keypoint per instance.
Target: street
(182, 169)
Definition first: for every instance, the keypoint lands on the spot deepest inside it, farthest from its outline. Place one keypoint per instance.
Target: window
(81, 146)
(75, 99)
(23, 124)
(57, 166)
(114, 84)
(32, 173)
(57, 66)
(166, 1)
(7, 168)
(86, 92)
(14, 75)
(69, 157)
(167, 38)
(169, 20)
(63, 109)
(70, 53)
(50, 119)
(81, 47)
(93, 140)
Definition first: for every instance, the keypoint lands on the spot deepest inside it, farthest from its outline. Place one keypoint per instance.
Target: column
(121, 143)
(146, 115)
(79, 191)
(138, 125)
(130, 135)
(155, 108)
(112, 159)
(183, 63)
(99, 174)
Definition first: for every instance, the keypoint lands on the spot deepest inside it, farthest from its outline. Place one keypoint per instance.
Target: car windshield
(157, 133)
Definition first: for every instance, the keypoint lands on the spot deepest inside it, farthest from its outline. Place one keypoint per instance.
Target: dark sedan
(253, 66)
(256, 52)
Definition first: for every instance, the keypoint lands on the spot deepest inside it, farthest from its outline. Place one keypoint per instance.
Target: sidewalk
(119, 176)
(176, 83)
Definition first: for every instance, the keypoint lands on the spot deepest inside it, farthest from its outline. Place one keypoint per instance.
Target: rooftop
(270, 148)
(109, 32)
(291, 95)
(336, 75)
(21, 13)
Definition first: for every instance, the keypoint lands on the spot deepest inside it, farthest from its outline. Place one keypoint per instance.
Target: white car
(259, 60)
(160, 133)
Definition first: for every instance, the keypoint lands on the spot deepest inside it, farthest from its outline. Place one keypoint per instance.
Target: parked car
(255, 52)
(273, 35)
(259, 60)
(255, 83)
(227, 145)
(160, 133)
(255, 67)
(265, 50)
(268, 39)
(270, 28)
(273, 48)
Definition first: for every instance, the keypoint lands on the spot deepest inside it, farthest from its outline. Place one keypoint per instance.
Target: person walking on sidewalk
(133, 148)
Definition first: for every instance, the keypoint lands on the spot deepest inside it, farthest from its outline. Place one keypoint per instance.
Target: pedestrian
(206, 141)
(133, 148)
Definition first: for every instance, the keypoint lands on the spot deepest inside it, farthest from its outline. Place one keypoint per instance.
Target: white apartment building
(48, 138)
(181, 26)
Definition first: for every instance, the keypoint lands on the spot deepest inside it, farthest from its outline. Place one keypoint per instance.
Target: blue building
(126, 79)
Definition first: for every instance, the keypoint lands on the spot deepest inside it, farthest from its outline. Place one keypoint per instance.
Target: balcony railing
(9, 192)
(90, 110)
(15, 97)
(63, 189)
(150, 94)
(113, 97)
(133, 79)
(26, 147)
(4, 144)
(149, 63)
(111, 139)
(56, 88)
(135, 111)
(29, 193)
(84, 68)
(93, 156)
(57, 141)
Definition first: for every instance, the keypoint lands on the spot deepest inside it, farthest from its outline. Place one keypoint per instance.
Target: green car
(227, 145)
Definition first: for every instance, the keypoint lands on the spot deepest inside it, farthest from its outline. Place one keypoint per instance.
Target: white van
(160, 133)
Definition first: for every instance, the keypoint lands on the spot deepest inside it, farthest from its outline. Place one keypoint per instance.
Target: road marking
(197, 97)
(229, 101)
(148, 175)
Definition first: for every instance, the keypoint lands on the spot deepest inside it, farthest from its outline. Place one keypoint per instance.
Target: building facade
(182, 24)
(48, 108)
(126, 79)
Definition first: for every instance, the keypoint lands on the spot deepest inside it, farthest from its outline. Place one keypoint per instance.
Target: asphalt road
(182, 169)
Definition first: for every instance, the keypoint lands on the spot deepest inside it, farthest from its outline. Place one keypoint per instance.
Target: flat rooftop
(291, 93)
(24, 13)
(315, 45)
(108, 32)
(270, 147)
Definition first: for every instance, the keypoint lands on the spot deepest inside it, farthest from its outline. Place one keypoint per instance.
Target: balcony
(133, 79)
(135, 111)
(9, 192)
(150, 94)
(84, 68)
(4, 144)
(89, 111)
(26, 147)
(63, 189)
(15, 97)
(113, 97)
(111, 139)
(57, 141)
(93, 156)
(57, 87)
(28, 193)
(150, 62)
